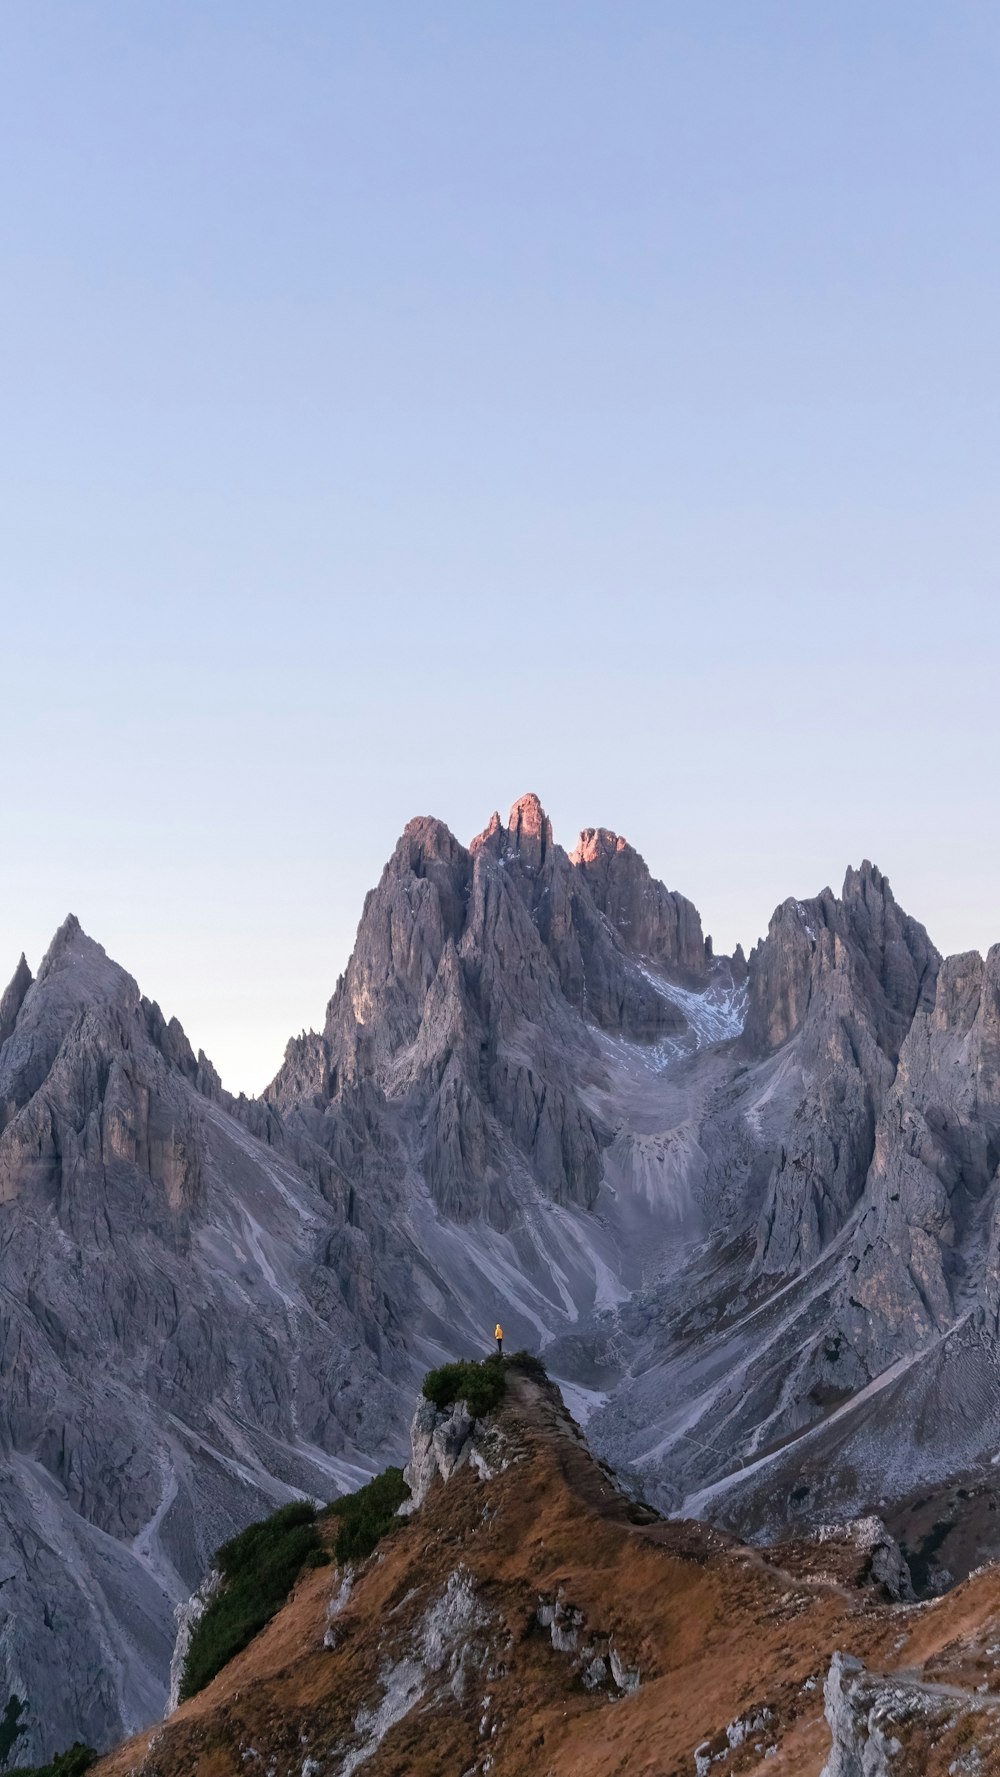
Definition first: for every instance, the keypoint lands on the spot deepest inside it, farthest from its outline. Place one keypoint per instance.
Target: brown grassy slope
(715, 1630)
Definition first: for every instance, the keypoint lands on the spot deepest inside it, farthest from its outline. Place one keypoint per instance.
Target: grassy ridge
(261, 1565)
(365, 1516)
(259, 1568)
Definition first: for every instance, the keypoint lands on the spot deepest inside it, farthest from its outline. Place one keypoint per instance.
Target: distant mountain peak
(866, 881)
(526, 837)
(70, 942)
(596, 844)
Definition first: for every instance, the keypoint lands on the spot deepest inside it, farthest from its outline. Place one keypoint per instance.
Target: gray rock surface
(440, 1443)
(187, 1617)
(653, 921)
(844, 978)
(177, 1358)
(471, 998)
(861, 1744)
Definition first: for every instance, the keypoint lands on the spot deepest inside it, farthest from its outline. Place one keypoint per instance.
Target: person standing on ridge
(498, 1336)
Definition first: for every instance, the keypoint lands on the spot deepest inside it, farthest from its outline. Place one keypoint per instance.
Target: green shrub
(481, 1386)
(529, 1364)
(71, 1763)
(259, 1568)
(365, 1516)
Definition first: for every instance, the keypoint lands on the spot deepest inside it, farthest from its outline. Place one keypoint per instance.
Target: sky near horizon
(406, 406)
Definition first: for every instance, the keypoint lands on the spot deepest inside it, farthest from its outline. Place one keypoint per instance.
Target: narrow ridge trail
(594, 1483)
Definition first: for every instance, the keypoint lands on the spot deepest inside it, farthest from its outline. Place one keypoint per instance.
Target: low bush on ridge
(365, 1516)
(530, 1363)
(259, 1568)
(261, 1565)
(480, 1386)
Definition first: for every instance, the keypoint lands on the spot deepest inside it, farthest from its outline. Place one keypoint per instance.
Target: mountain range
(748, 1207)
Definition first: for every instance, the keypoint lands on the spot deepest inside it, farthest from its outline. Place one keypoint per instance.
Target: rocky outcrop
(926, 1247)
(13, 999)
(862, 1743)
(888, 1566)
(187, 1616)
(595, 963)
(439, 1444)
(844, 978)
(861, 948)
(444, 1441)
(653, 921)
(886, 1726)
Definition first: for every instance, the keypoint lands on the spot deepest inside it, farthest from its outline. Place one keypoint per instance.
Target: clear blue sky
(406, 405)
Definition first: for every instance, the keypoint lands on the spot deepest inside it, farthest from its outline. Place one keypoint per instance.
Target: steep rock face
(885, 955)
(13, 998)
(176, 1353)
(439, 1444)
(844, 979)
(83, 1095)
(927, 1246)
(652, 920)
(476, 981)
(595, 964)
(859, 1714)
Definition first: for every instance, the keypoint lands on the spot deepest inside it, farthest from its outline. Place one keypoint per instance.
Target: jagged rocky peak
(477, 980)
(928, 1242)
(13, 998)
(427, 847)
(654, 921)
(417, 909)
(89, 1076)
(587, 929)
(843, 979)
(76, 980)
(881, 956)
(81, 967)
(529, 831)
(527, 837)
